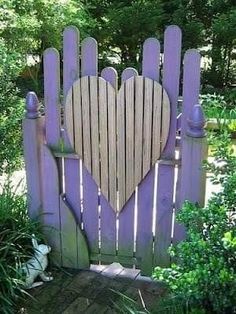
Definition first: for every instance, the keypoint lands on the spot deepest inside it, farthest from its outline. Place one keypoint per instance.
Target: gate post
(193, 175)
(33, 137)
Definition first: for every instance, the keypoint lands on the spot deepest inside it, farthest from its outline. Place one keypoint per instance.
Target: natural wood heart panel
(119, 136)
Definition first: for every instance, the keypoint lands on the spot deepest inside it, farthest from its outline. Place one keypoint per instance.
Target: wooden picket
(105, 174)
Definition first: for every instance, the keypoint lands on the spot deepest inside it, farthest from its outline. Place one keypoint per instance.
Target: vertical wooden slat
(51, 205)
(156, 123)
(51, 65)
(129, 115)
(70, 74)
(90, 189)
(110, 75)
(147, 124)
(89, 61)
(126, 216)
(150, 69)
(94, 128)
(85, 100)
(108, 215)
(165, 185)
(151, 59)
(111, 96)
(138, 139)
(121, 145)
(103, 136)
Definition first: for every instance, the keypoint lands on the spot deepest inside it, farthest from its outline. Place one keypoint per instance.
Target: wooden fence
(102, 171)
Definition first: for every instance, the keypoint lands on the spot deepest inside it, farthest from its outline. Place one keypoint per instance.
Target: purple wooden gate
(103, 172)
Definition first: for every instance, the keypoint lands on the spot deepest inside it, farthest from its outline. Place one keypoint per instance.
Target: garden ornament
(36, 266)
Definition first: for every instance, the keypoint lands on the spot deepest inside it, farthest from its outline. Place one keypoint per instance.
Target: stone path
(93, 291)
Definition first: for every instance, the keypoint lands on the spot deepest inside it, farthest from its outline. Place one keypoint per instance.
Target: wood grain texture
(51, 68)
(138, 140)
(147, 125)
(93, 82)
(118, 142)
(129, 134)
(112, 171)
(121, 145)
(103, 103)
(72, 119)
(77, 106)
(85, 100)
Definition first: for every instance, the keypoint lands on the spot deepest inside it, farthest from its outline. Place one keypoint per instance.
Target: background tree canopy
(27, 27)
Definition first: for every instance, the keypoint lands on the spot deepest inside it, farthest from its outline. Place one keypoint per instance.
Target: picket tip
(173, 28)
(89, 40)
(32, 106)
(151, 40)
(192, 53)
(51, 51)
(71, 28)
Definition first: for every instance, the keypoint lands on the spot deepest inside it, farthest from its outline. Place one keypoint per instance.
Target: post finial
(196, 122)
(32, 106)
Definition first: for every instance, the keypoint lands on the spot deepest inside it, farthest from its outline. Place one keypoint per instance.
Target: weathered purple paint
(51, 64)
(108, 227)
(108, 216)
(191, 87)
(89, 53)
(193, 151)
(70, 58)
(51, 206)
(151, 59)
(126, 216)
(33, 137)
(90, 213)
(110, 75)
(144, 244)
(165, 183)
(144, 241)
(128, 73)
(89, 60)
(70, 74)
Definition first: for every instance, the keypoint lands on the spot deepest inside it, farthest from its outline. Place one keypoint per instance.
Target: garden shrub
(204, 273)
(11, 110)
(15, 246)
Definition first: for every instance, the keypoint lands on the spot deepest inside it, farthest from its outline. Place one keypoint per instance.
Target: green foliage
(216, 106)
(204, 275)
(11, 110)
(15, 245)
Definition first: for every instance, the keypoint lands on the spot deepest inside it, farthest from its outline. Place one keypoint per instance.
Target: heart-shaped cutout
(119, 135)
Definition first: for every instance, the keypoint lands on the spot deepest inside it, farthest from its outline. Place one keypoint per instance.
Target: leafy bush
(204, 275)
(11, 110)
(216, 106)
(15, 245)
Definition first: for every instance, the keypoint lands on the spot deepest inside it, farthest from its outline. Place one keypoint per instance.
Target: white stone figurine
(36, 266)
